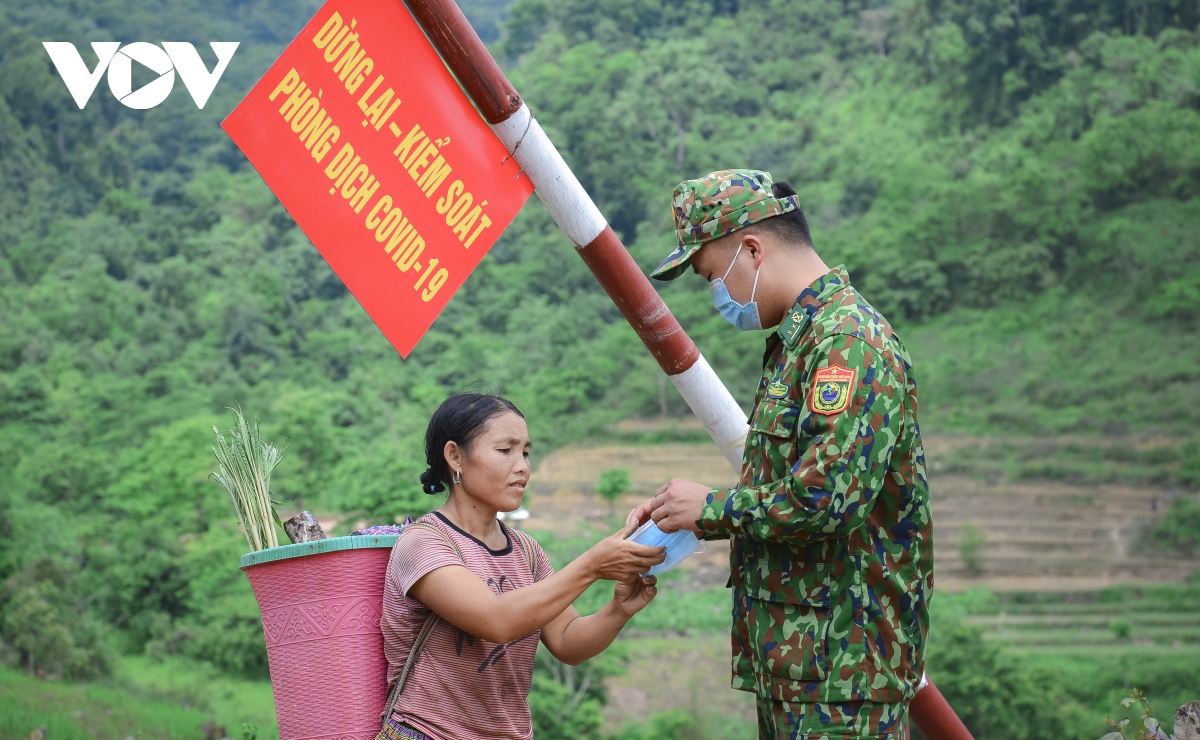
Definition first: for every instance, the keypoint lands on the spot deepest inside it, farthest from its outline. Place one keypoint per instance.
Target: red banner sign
(368, 142)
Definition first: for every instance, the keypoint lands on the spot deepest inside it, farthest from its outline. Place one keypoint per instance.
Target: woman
(485, 594)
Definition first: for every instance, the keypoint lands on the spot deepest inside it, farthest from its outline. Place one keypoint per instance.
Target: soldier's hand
(678, 505)
(640, 515)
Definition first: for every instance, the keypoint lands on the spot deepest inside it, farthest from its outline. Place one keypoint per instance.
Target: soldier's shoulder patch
(832, 390)
(777, 389)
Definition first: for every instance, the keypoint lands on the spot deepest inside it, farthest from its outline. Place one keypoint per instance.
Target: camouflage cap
(717, 204)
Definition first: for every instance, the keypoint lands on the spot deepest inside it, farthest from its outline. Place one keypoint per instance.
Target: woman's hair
(461, 418)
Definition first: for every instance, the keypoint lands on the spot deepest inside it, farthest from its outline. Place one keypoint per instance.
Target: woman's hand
(574, 639)
(615, 558)
(630, 597)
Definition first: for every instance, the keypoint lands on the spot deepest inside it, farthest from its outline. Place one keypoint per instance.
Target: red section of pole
(639, 302)
(934, 716)
(485, 83)
(467, 57)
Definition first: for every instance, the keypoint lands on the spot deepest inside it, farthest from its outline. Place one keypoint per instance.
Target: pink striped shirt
(462, 687)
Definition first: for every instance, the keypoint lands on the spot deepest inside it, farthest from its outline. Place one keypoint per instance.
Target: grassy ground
(1097, 645)
(88, 711)
(172, 699)
(228, 701)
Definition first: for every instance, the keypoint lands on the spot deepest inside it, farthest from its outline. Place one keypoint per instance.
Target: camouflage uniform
(830, 529)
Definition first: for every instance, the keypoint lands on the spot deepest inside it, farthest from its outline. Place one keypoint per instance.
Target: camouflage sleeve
(848, 424)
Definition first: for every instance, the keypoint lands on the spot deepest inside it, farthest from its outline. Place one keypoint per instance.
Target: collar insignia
(794, 324)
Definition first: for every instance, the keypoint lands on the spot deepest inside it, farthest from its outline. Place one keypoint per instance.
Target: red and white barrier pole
(609, 261)
(583, 224)
(625, 282)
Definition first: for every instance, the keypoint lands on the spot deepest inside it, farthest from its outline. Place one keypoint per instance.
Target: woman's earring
(458, 477)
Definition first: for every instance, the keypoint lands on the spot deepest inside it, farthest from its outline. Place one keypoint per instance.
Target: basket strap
(439, 533)
(427, 627)
(528, 549)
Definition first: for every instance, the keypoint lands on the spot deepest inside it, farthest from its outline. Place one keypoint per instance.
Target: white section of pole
(554, 181)
(574, 211)
(712, 402)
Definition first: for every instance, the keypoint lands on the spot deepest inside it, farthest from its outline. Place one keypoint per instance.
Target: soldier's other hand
(678, 505)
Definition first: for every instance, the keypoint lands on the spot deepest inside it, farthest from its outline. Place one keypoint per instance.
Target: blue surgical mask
(679, 545)
(743, 316)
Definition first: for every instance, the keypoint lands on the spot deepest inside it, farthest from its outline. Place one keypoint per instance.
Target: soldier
(831, 551)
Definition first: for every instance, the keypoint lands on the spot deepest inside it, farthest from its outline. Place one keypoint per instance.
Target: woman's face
(496, 468)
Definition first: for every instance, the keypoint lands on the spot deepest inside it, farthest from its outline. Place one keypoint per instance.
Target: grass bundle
(245, 464)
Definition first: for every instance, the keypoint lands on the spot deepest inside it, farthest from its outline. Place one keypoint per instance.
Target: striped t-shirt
(462, 687)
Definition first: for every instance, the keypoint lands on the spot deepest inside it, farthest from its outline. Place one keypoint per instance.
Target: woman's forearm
(587, 637)
(460, 598)
(533, 607)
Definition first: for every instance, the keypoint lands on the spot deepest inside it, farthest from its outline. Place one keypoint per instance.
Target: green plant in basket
(246, 463)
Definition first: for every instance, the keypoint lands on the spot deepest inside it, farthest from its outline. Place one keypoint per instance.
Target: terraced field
(1037, 535)
(1144, 616)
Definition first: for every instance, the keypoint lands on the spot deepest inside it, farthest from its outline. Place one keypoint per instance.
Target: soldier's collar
(799, 316)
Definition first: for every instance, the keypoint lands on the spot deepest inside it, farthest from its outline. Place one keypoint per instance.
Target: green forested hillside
(1017, 185)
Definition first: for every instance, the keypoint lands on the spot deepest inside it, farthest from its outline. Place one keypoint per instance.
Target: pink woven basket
(321, 603)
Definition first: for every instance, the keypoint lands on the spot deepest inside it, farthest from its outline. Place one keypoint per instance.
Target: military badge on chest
(832, 389)
(777, 389)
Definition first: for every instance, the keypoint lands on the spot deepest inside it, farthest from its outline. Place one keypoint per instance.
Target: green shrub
(46, 635)
(674, 725)
(970, 548)
(995, 696)
(1121, 629)
(1179, 527)
(555, 714)
(225, 622)
(1189, 464)
(613, 484)
(566, 700)
(1142, 726)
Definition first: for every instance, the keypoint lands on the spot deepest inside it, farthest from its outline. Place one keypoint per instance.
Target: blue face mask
(679, 545)
(744, 317)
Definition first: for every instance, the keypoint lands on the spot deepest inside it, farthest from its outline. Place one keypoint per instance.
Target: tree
(993, 695)
(970, 548)
(613, 484)
(1179, 528)
(566, 700)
